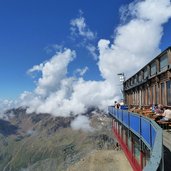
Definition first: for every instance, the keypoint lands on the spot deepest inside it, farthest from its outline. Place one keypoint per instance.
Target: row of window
(149, 70)
(139, 150)
(163, 63)
(152, 95)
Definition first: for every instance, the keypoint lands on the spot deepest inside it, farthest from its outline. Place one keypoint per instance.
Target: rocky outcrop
(43, 142)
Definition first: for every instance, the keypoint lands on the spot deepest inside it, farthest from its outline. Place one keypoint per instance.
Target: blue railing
(147, 130)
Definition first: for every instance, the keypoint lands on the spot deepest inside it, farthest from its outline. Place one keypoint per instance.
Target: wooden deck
(167, 138)
(167, 149)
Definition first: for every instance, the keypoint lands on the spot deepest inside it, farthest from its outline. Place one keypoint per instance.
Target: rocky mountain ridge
(41, 142)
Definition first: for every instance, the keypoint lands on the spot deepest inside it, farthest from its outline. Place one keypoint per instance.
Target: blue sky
(30, 29)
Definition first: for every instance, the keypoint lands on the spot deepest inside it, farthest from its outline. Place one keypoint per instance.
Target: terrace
(137, 132)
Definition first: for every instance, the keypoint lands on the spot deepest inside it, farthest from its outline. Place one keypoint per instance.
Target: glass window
(135, 79)
(146, 155)
(168, 85)
(142, 74)
(129, 142)
(140, 77)
(132, 81)
(145, 73)
(136, 148)
(163, 62)
(153, 68)
(162, 94)
(124, 135)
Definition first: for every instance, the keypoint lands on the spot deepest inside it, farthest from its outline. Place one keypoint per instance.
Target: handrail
(147, 130)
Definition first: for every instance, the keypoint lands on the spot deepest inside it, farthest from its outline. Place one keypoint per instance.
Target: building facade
(151, 84)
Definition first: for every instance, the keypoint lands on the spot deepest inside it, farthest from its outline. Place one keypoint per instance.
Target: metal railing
(147, 130)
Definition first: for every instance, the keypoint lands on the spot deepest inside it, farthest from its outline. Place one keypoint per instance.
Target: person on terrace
(116, 105)
(166, 116)
(158, 112)
(159, 109)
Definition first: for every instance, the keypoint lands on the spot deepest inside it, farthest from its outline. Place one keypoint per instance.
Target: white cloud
(53, 48)
(74, 96)
(82, 71)
(35, 68)
(53, 71)
(92, 49)
(79, 27)
(5, 105)
(81, 123)
(137, 41)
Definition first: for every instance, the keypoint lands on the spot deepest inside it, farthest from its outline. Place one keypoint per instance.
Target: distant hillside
(41, 142)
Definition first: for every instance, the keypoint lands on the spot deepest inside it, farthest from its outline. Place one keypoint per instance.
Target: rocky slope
(100, 160)
(41, 142)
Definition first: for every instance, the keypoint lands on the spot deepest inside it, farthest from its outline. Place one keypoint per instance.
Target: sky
(29, 28)
(62, 57)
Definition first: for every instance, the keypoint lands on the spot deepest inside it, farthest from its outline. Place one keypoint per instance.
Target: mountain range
(42, 142)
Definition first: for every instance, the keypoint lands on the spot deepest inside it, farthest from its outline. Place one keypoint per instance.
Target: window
(163, 62)
(135, 79)
(136, 148)
(162, 94)
(146, 154)
(124, 134)
(153, 69)
(129, 141)
(139, 77)
(145, 73)
(132, 81)
(168, 87)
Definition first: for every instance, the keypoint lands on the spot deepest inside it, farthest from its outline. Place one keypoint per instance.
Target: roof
(162, 53)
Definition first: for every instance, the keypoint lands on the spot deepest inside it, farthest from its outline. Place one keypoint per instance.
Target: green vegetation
(56, 151)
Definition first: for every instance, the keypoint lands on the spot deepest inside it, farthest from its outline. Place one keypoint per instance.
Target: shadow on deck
(167, 158)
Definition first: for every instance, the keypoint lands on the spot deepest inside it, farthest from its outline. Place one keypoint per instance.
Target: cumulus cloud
(53, 71)
(71, 96)
(81, 123)
(137, 41)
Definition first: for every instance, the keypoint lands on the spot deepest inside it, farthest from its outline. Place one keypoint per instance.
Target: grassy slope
(42, 152)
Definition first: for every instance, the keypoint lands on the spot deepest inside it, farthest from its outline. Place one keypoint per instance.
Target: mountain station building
(151, 84)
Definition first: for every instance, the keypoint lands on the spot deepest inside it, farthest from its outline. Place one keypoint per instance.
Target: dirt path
(108, 160)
